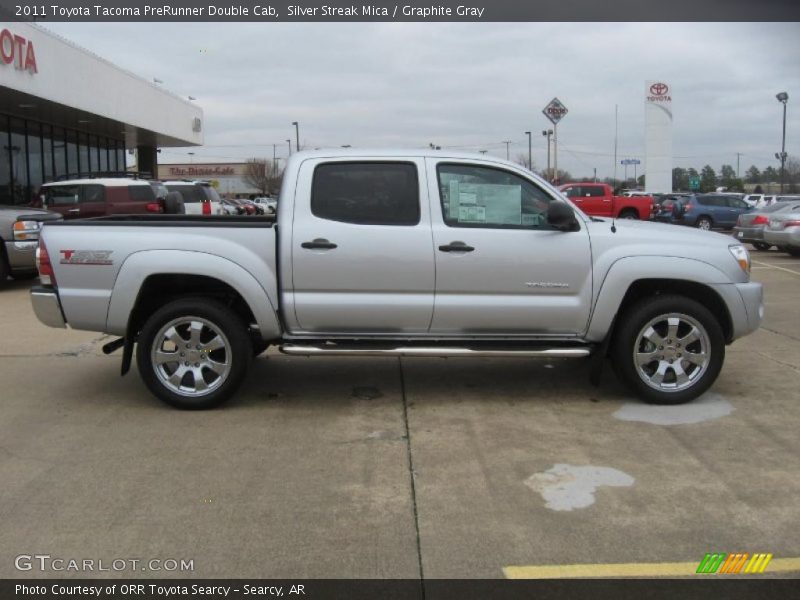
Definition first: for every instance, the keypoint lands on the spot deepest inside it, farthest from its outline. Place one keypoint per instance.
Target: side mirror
(562, 217)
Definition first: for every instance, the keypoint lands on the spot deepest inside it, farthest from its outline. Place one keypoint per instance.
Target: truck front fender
(626, 271)
(256, 292)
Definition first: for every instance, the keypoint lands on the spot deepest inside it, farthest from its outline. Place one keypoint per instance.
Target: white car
(199, 197)
(269, 203)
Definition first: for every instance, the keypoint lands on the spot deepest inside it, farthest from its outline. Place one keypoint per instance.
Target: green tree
(680, 179)
(708, 179)
(770, 175)
(753, 175)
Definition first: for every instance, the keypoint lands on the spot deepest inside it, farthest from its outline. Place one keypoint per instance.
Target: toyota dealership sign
(659, 92)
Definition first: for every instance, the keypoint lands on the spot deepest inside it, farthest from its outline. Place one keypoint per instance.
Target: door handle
(318, 244)
(456, 247)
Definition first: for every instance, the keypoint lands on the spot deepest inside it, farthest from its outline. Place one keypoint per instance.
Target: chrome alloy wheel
(191, 356)
(672, 352)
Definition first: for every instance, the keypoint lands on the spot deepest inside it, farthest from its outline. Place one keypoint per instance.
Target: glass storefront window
(35, 169)
(121, 166)
(47, 153)
(94, 156)
(59, 152)
(83, 153)
(74, 157)
(103, 155)
(5, 163)
(19, 164)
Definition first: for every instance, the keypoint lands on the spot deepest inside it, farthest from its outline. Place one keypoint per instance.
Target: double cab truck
(598, 199)
(400, 253)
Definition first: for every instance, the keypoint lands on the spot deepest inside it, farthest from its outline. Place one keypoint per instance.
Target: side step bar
(336, 350)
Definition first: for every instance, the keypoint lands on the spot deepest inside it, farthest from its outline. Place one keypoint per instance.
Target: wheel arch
(148, 280)
(631, 279)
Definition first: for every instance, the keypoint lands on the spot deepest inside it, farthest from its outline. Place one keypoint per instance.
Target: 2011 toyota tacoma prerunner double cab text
(400, 253)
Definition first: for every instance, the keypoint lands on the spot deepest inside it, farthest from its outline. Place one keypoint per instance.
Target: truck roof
(397, 152)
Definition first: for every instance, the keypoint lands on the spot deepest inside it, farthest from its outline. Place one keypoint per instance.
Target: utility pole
(547, 133)
(508, 152)
(738, 154)
(783, 97)
(595, 174)
(555, 153)
(297, 135)
(530, 157)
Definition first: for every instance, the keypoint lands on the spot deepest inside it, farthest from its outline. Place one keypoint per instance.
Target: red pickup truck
(598, 199)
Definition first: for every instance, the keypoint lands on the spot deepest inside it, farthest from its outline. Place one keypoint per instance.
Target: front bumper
(21, 255)
(788, 237)
(47, 307)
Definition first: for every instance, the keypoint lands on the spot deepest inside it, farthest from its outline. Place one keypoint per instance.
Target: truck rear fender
(631, 278)
(258, 292)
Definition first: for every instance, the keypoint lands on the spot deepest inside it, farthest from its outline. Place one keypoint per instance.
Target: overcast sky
(470, 86)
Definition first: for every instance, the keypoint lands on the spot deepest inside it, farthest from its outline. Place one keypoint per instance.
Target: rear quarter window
(141, 193)
(191, 193)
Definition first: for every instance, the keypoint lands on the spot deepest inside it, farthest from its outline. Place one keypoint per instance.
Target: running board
(336, 350)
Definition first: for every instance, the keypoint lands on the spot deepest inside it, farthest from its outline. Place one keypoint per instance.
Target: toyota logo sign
(659, 89)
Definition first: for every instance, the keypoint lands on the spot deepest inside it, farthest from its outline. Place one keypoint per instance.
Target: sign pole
(555, 153)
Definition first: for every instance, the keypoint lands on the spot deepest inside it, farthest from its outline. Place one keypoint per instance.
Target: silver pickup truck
(401, 253)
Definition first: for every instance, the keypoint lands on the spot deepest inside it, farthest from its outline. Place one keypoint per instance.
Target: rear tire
(629, 213)
(793, 251)
(25, 275)
(668, 349)
(761, 246)
(704, 223)
(4, 270)
(194, 353)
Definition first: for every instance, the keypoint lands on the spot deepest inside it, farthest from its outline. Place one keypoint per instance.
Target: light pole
(290, 146)
(548, 133)
(508, 152)
(297, 135)
(783, 98)
(191, 158)
(530, 159)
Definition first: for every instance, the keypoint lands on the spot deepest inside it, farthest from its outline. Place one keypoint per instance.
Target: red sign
(201, 170)
(16, 49)
(555, 110)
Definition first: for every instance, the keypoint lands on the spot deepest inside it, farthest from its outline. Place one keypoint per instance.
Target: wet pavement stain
(567, 487)
(707, 407)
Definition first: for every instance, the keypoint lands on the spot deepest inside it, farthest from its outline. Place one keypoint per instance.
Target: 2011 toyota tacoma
(401, 253)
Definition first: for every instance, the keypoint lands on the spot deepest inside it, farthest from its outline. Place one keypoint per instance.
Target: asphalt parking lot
(387, 468)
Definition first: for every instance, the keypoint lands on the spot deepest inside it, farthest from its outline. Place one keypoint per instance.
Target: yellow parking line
(664, 569)
(756, 262)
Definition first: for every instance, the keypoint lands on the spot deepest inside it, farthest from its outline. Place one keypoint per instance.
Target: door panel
(362, 249)
(521, 276)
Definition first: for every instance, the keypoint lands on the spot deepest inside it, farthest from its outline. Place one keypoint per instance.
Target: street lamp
(530, 160)
(548, 133)
(783, 98)
(297, 135)
(290, 146)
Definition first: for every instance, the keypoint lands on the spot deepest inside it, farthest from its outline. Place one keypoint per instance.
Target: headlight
(26, 231)
(742, 256)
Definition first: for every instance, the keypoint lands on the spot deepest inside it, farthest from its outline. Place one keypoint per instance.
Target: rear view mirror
(562, 217)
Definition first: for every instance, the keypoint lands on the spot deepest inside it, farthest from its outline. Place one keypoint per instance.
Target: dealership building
(65, 111)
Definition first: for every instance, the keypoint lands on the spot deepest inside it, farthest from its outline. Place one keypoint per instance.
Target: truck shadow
(310, 381)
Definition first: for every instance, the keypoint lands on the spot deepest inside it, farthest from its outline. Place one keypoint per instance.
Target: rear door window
(93, 194)
(366, 193)
(593, 190)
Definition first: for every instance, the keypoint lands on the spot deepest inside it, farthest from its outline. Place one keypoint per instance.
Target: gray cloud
(470, 85)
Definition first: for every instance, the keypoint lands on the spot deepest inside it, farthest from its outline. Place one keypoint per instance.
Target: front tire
(193, 353)
(629, 213)
(793, 251)
(762, 246)
(668, 349)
